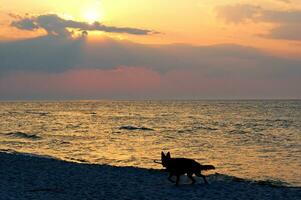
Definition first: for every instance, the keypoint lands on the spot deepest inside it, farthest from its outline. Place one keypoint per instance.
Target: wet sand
(33, 177)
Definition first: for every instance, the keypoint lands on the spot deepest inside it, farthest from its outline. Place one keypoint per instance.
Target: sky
(151, 49)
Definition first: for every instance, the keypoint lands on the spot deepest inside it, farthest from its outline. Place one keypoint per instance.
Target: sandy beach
(26, 176)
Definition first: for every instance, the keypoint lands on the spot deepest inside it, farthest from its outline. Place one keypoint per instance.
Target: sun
(92, 15)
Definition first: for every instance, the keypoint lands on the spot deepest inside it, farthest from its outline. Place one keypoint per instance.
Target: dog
(180, 166)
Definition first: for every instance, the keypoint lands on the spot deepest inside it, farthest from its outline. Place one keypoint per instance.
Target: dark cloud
(287, 23)
(58, 54)
(25, 24)
(49, 53)
(289, 32)
(55, 25)
(291, 16)
(180, 70)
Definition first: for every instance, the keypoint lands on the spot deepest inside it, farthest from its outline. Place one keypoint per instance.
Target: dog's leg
(192, 179)
(204, 178)
(169, 178)
(177, 180)
(201, 175)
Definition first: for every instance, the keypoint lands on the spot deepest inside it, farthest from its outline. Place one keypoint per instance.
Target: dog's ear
(168, 155)
(162, 154)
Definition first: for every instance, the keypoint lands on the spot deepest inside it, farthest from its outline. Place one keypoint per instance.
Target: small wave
(73, 126)
(37, 113)
(59, 142)
(270, 183)
(131, 128)
(197, 128)
(25, 154)
(23, 135)
(77, 160)
(207, 128)
(239, 132)
(184, 130)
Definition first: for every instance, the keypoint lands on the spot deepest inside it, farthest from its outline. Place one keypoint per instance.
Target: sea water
(259, 140)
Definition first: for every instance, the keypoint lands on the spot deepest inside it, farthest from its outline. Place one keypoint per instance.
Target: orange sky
(150, 49)
(193, 21)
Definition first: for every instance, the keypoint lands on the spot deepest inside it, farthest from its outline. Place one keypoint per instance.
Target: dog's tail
(207, 167)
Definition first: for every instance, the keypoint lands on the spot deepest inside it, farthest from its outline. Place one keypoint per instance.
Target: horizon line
(149, 99)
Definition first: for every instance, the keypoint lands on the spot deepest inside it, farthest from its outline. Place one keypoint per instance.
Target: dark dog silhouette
(180, 166)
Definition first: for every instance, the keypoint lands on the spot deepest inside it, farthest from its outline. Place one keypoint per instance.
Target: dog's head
(165, 158)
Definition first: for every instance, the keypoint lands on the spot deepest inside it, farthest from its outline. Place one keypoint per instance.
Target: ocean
(256, 139)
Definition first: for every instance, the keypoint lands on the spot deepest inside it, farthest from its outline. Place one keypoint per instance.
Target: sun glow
(92, 15)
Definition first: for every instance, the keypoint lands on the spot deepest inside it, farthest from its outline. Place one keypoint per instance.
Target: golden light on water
(246, 145)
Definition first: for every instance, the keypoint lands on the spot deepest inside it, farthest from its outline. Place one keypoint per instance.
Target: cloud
(56, 54)
(245, 12)
(284, 1)
(287, 23)
(55, 25)
(80, 83)
(25, 24)
(58, 66)
(288, 32)
(291, 16)
(238, 13)
(139, 82)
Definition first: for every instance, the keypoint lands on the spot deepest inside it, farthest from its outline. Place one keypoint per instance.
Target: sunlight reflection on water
(248, 139)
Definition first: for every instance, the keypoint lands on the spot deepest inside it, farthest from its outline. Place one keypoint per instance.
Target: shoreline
(36, 177)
